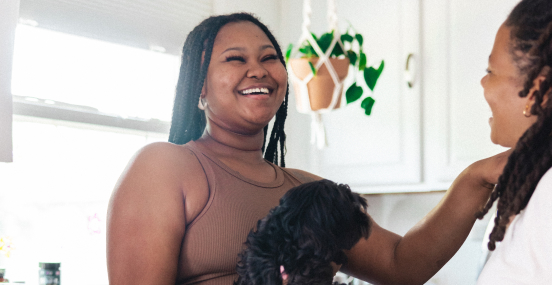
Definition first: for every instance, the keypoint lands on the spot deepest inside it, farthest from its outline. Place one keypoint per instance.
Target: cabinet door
(383, 148)
(458, 38)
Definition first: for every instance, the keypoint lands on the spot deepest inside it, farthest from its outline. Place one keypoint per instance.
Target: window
(82, 108)
(53, 197)
(62, 71)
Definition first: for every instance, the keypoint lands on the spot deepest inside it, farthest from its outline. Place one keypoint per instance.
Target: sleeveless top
(213, 240)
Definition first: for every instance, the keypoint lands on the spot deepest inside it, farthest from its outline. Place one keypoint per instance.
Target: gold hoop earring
(526, 112)
(202, 104)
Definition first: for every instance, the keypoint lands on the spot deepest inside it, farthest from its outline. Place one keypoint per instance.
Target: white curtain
(9, 14)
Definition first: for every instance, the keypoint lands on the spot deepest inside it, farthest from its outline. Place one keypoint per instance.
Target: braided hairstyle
(188, 121)
(531, 49)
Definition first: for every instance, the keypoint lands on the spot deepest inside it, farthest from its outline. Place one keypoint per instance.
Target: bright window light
(112, 78)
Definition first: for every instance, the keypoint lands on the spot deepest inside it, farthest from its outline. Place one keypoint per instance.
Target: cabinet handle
(409, 71)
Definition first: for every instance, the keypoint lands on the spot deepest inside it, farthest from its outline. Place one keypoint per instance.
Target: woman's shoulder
(302, 175)
(164, 172)
(164, 154)
(541, 200)
(163, 164)
(546, 181)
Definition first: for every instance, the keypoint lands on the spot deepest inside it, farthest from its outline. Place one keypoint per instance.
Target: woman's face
(502, 85)
(246, 81)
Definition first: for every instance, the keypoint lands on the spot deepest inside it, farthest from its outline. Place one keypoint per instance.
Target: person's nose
(256, 70)
(483, 80)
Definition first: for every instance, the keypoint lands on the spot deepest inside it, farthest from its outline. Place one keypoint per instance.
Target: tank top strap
(296, 181)
(209, 174)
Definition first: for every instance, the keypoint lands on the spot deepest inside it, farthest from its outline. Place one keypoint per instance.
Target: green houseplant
(353, 53)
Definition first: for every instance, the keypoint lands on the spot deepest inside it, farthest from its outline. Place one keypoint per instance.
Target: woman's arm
(387, 258)
(147, 215)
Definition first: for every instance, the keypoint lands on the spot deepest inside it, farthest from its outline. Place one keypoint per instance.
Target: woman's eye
(238, 58)
(487, 71)
(270, 57)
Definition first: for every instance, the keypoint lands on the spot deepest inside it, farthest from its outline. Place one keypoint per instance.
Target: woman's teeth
(255, 91)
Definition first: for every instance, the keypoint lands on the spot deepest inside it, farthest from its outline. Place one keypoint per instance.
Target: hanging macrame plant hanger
(318, 133)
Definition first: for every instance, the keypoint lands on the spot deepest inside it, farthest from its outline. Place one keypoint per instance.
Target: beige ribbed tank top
(212, 241)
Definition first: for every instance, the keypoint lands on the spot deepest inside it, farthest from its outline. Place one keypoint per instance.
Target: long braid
(531, 23)
(188, 122)
(278, 135)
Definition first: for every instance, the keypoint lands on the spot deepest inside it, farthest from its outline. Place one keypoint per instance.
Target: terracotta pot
(321, 86)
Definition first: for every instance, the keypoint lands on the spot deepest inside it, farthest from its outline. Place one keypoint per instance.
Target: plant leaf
(311, 52)
(352, 57)
(312, 68)
(314, 36)
(367, 105)
(337, 51)
(371, 75)
(362, 61)
(288, 52)
(346, 38)
(325, 40)
(307, 50)
(360, 39)
(354, 92)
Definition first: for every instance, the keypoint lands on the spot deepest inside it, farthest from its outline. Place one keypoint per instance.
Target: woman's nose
(256, 70)
(483, 80)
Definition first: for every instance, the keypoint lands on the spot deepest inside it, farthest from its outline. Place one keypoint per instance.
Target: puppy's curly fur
(310, 228)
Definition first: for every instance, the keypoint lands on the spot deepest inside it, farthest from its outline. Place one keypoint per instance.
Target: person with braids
(182, 209)
(517, 88)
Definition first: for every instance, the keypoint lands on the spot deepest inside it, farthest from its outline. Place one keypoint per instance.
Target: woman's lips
(257, 96)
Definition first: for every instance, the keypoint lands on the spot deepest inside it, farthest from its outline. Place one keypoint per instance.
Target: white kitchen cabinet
(383, 148)
(458, 38)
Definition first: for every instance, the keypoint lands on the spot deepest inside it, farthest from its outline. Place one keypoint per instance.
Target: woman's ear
(536, 87)
(202, 104)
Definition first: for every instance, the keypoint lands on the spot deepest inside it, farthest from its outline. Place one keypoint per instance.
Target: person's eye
(235, 57)
(488, 71)
(271, 57)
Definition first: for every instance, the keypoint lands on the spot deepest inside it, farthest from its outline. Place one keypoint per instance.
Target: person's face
(246, 81)
(502, 85)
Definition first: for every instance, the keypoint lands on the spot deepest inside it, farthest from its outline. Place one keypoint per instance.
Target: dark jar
(48, 273)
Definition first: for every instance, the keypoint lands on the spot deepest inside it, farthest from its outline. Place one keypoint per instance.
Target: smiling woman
(214, 179)
(518, 88)
(234, 57)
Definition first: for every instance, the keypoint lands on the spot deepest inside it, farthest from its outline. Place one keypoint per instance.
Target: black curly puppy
(299, 240)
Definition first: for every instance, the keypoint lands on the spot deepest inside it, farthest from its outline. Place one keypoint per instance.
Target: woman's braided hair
(188, 122)
(531, 49)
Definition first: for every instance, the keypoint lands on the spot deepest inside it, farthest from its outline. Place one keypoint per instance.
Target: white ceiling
(139, 23)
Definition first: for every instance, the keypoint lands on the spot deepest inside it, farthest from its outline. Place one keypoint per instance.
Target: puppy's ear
(340, 258)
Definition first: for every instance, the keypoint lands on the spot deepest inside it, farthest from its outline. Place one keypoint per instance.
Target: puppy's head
(313, 225)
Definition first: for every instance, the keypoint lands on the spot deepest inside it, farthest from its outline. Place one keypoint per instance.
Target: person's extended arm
(387, 258)
(147, 217)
